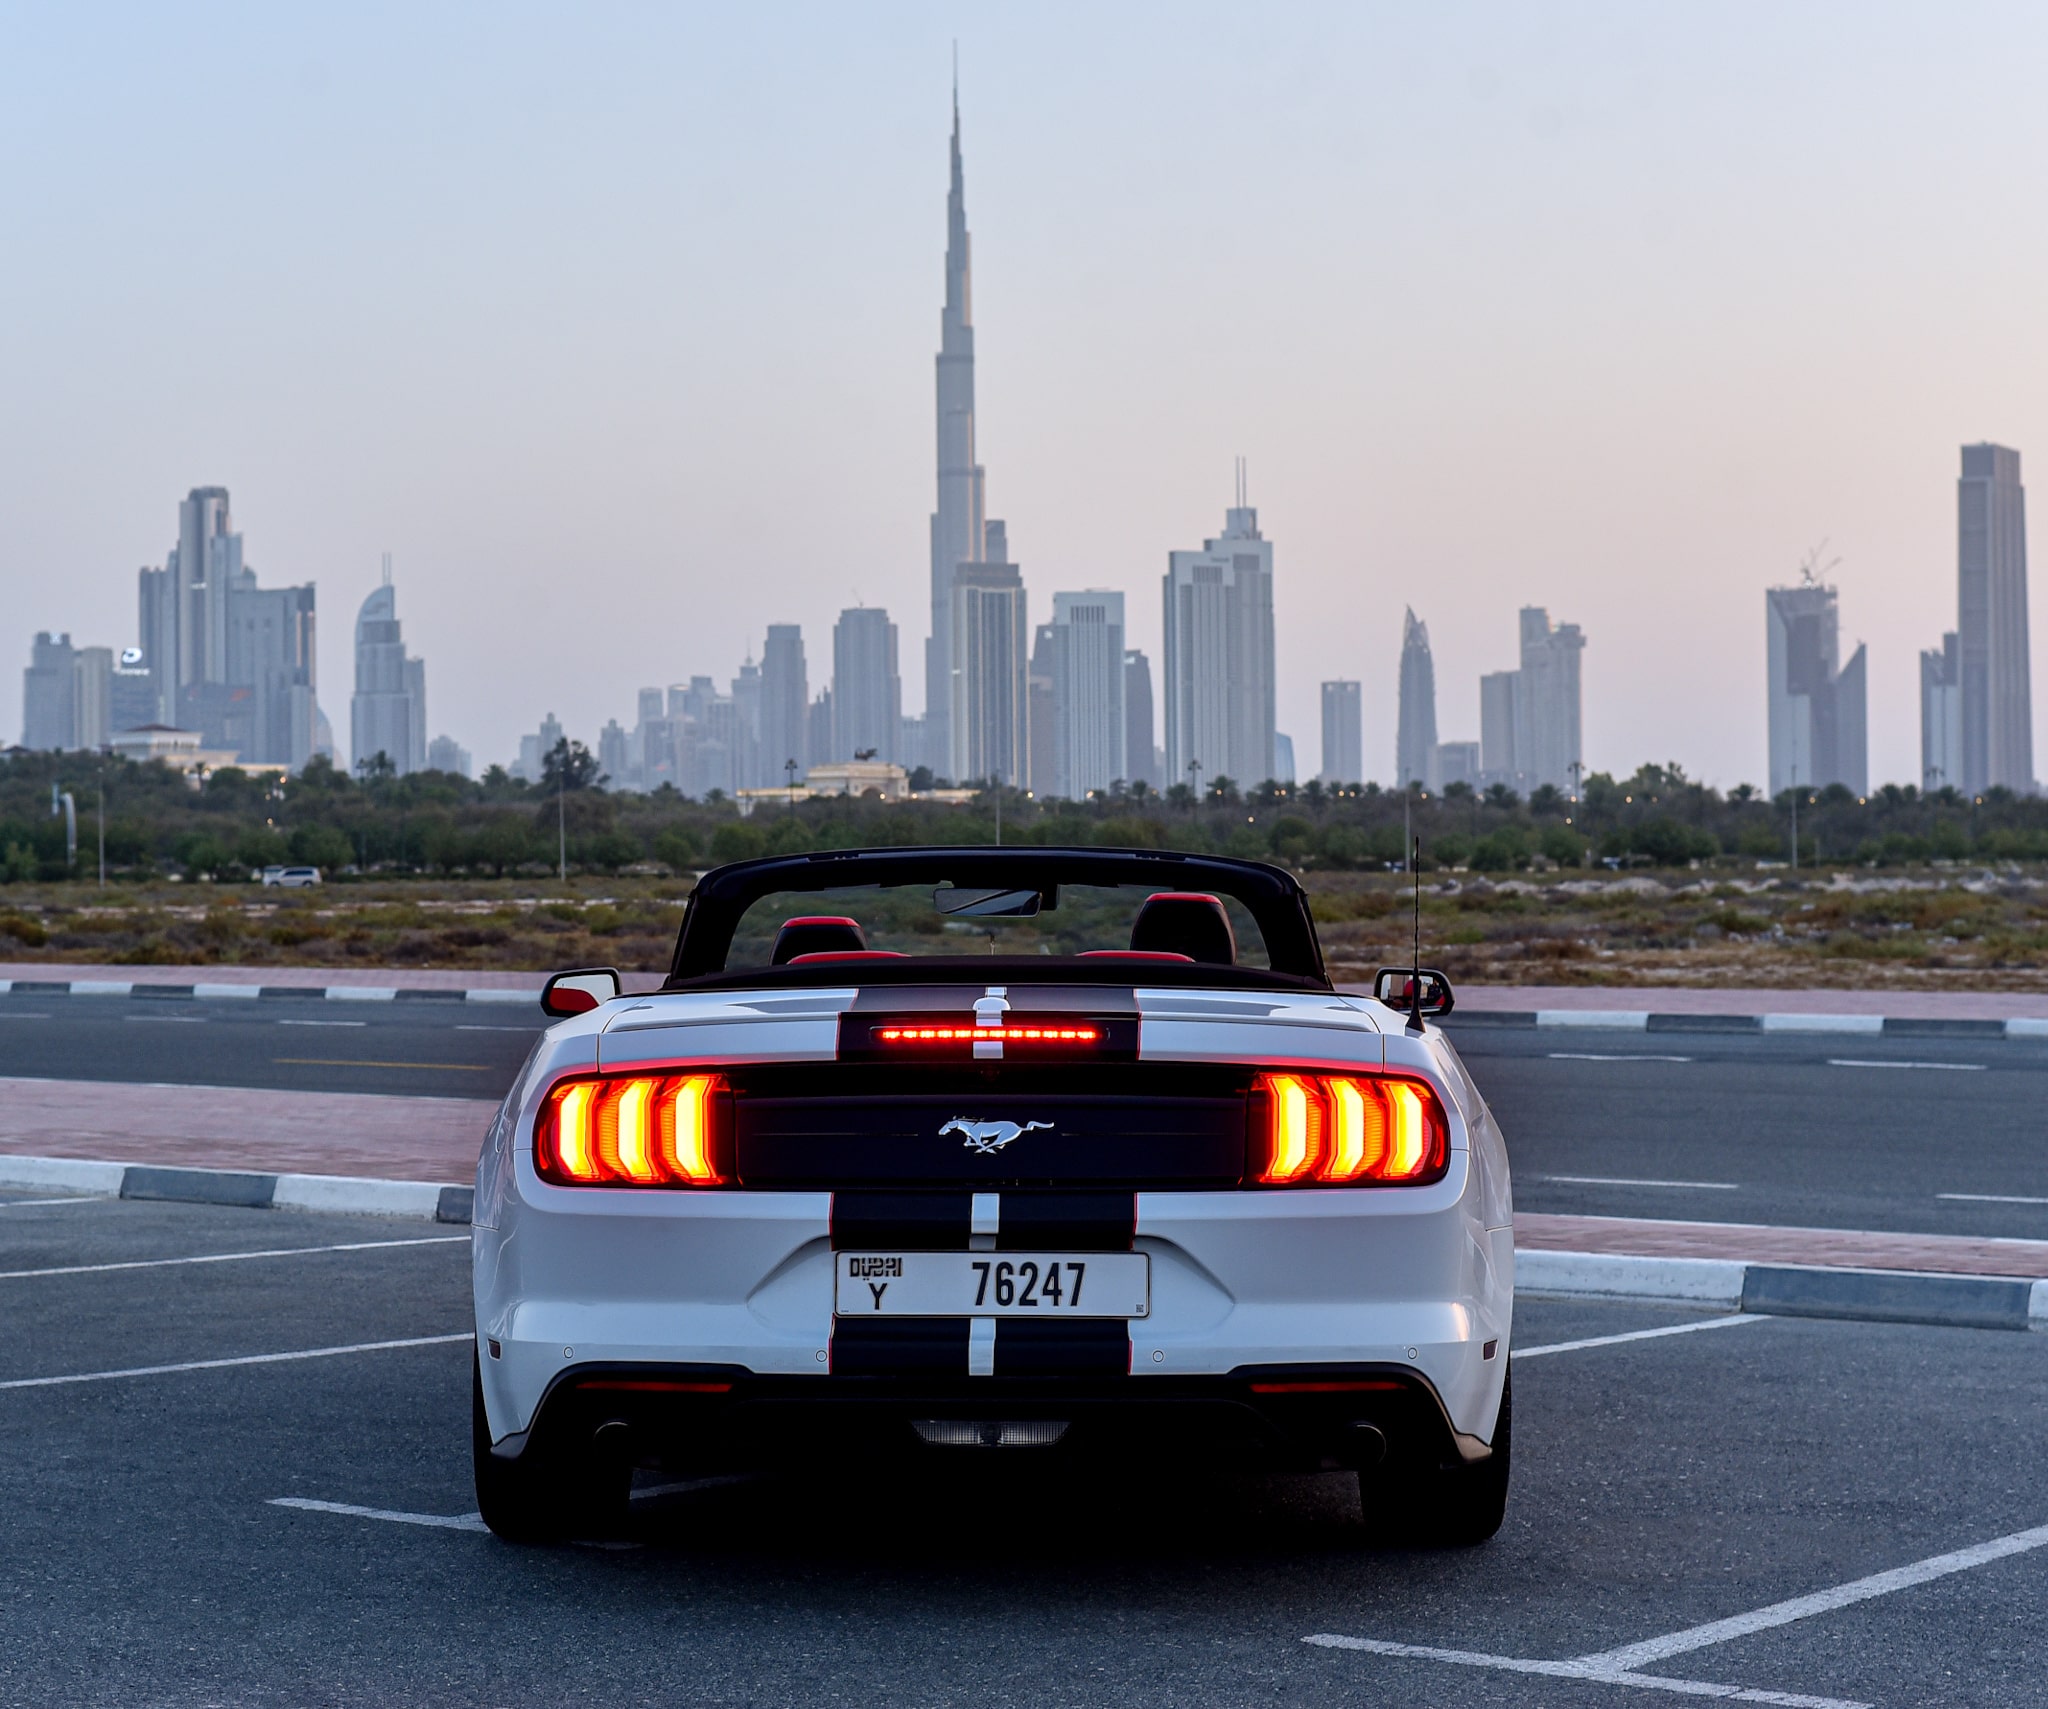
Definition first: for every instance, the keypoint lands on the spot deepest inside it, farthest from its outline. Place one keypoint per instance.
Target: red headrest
(816, 934)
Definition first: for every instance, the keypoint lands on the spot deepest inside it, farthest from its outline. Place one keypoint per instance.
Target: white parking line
(1991, 1199)
(1733, 1322)
(440, 1521)
(1626, 1181)
(246, 1359)
(1618, 1666)
(1607, 1056)
(323, 1023)
(1951, 1067)
(230, 1257)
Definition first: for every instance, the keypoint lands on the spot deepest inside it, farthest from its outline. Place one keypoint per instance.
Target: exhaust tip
(1367, 1444)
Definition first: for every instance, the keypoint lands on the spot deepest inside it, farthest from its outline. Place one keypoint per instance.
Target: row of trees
(153, 821)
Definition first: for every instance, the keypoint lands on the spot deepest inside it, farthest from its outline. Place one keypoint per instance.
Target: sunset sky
(614, 325)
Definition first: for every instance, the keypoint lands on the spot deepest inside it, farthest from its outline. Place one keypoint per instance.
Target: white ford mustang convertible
(937, 1151)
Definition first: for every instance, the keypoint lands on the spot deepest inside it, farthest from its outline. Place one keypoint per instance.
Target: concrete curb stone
(1641, 1020)
(214, 993)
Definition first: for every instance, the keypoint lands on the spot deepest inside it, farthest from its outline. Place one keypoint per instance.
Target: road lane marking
(323, 1023)
(440, 1521)
(344, 1062)
(226, 1364)
(1733, 1322)
(170, 1020)
(480, 1027)
(1627, 1181)
(1991, 1199)
(22, 1015)
(1630, 1656)
(20, 1204)
(1612, 1056)
(1577, 1670)
(1952, 1067)
(231, 1257)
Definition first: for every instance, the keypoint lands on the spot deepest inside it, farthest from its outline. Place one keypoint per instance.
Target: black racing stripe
(1067, 1222)
(1033, 1347)
(913, 1222)
(894, 1346)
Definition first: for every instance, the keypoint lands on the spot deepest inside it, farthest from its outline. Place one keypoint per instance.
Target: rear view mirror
(579, 991)
(988, 904)
(1395, 987)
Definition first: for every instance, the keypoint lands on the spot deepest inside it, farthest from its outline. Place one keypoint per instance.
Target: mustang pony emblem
(987, 1137)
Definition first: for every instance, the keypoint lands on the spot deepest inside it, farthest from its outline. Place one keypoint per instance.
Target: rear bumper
(722, 1418)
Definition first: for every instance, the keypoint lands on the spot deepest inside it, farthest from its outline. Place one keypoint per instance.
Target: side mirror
(578, 992)
(1395, 987)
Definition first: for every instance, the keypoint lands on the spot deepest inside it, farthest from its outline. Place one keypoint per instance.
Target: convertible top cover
(980, 892)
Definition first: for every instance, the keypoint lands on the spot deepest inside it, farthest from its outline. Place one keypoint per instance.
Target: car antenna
(1415, 978)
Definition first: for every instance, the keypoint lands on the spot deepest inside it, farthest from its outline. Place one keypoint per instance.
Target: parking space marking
(1579, 1670)
(1735, 1321)
(1619, 1666)
(1612, 1056)
(231, 1257)
(1625, 1181)
(1991, 1199)
(1951, 1067)
(439, 1521)
(246, 1359)
(1630, 1656)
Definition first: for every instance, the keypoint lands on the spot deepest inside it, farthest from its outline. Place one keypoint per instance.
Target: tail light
(1362, 1130)
(638, 1130)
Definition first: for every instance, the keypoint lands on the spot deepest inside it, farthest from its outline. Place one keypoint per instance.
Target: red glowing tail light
(915, 1035)
(1324, 1130)
(639, 1130)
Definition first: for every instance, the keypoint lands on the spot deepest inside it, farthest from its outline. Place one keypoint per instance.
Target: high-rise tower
(1415, 756)
(957, 524)
(1991, 588)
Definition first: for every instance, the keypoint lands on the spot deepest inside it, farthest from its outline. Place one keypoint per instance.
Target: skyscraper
(990, 720)
(785, 704)
(1219, 654)
(1817, 706)
(388, 714)
(867, 688)
(1041, 720)
(1941, 717)
(202, 567)
(1415, 734)
(1497, 762)
(1547, 702)
(48, 714)
(1088, 692)
(1991, 621)
(273, 652)
(1141, 754)
(1343, 733)
(958, 535)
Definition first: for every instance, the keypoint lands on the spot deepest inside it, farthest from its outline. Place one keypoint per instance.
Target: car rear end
(762, 1227)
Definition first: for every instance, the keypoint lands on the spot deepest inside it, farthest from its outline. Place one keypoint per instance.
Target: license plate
(994, 1284)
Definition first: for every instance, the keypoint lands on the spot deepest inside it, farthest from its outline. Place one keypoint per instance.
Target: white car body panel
(1420, 1277)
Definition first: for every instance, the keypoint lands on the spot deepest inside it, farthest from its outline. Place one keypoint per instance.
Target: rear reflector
(1361, 1130)
(637, 1130)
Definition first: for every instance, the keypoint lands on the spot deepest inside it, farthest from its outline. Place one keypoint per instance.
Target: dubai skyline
(1442, 403)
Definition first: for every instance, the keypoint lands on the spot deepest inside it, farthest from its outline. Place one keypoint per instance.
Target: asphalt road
(1925, 1135)
(1832, 1130)
(422, 1048)
(1661, 1484)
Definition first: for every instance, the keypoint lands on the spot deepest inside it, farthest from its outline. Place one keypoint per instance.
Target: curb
(254, 993)
(1774, 1290)
(1787, 1290)
(1643, 1020)
(354, 1195)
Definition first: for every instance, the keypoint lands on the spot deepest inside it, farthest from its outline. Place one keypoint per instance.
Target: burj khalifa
(958, 525)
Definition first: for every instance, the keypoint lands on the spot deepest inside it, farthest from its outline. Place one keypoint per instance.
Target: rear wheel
(540, 1499)
(1443, 1507)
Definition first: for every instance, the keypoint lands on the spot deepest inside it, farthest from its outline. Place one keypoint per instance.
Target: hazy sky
(615, 324)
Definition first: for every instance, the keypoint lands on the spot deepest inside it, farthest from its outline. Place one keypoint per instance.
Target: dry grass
(1933, 929)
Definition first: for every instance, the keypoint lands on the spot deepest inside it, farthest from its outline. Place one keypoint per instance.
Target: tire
(538, 1499)
(1443, 1507)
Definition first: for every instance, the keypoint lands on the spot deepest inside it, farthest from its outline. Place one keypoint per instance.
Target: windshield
(925, 919)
